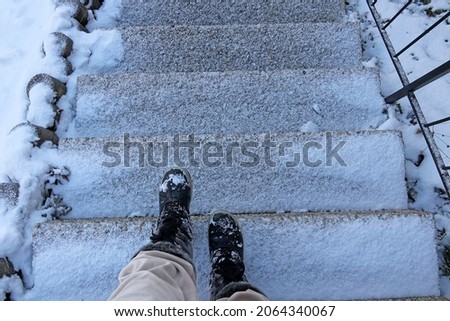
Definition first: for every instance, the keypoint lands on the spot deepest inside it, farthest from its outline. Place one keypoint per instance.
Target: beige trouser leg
(159, 276)
(156, 276)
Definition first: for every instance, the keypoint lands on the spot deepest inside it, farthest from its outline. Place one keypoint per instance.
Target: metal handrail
(433, 75)
(410, 87)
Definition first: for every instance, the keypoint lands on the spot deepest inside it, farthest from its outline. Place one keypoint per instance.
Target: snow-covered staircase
(362, 179)
(163, 13)
(9, 193)
(314, 256)
(272, 112)
(240, 47)
(228, 102)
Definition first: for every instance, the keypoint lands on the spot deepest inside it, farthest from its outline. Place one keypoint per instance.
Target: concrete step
(319, 256)
(9, 194)
(182, 12)
(230, 102)
(161, 49)
(241, 172)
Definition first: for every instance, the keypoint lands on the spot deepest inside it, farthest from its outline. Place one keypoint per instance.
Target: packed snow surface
(26, 25)
(288, 256)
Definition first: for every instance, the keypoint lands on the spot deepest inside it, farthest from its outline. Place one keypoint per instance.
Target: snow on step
(319, 256)
(181, 12)
(161, 49)
(231, 102)
(241, 172)
(9, 193)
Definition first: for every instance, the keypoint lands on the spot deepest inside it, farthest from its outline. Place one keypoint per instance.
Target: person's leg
(163, 270)
(226, 247)
(156, 276)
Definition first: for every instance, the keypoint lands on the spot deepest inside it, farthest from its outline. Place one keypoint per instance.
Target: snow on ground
(23, 26)
(26, 25)
(423, 181)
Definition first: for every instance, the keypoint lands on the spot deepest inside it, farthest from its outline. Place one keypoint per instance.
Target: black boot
(173, 233)
(226, 249)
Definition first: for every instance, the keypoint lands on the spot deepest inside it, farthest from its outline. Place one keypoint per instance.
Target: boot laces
(173, 221)
(228, 263)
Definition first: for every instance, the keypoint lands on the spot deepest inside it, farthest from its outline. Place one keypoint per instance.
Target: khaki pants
(159, 276)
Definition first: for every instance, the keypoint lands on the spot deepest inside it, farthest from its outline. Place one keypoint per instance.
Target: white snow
(26, 25)
(23, 26)
(371, 63)
(175, 180)
(98, 180)
(309, 127)
(11, 284)
(427, 54)
(40, 111)
(311, 250)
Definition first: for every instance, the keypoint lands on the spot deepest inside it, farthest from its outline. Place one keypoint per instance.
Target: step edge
(266, 215)
(355, 25)
(300, 71)
(68, 141)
